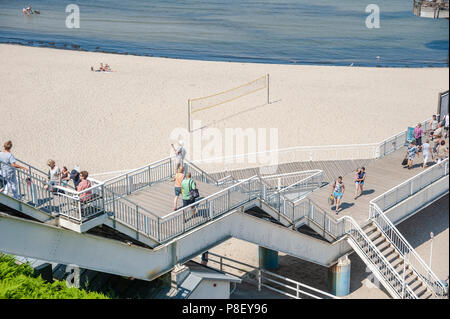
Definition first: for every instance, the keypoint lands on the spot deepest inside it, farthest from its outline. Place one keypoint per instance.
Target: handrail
(209, 197)
(444, 163)
(298, 284)
(380, 256)
(31, 166)
(405, 248)
(201, 170)
(137, 169)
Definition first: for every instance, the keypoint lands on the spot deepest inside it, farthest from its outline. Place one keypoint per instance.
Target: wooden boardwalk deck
(158, 198)
(381, 175)
(329, 168)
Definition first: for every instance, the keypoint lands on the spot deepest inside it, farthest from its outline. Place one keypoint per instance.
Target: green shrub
(19, 282)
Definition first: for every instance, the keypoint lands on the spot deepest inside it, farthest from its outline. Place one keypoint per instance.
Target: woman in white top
(427, 154)
(8, 167)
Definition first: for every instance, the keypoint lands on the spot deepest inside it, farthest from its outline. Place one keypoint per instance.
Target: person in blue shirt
(411, 153)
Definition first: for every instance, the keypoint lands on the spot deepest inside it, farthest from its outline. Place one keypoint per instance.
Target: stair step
(408, 272)
(420, 290)
(427, 295)
(371, 228)
(383, 245)
(414, 284)
(398, 263)
(391, 255)
(375, 235)
(387, 252)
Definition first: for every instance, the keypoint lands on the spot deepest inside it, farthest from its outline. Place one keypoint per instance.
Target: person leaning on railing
(8, 165)
(53, 174)
(84, 184)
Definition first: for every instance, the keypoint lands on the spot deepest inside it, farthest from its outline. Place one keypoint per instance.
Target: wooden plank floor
(381, 175)
(329, 168)
(158, 198)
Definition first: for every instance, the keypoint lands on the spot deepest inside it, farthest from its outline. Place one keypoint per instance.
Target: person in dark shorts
(178, 179)
(187, 186)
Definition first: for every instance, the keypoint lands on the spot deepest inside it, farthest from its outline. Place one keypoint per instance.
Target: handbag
(331, 200)
(194, 192)
(405, 161)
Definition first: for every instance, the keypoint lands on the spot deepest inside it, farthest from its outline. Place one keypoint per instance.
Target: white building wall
(206, 290)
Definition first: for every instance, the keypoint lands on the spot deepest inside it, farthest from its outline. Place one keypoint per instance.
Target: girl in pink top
(418, 136)
(84, 184)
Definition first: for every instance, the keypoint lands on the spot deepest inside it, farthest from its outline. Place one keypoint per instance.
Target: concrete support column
(268, 258)
(339, 277)
(178, 275)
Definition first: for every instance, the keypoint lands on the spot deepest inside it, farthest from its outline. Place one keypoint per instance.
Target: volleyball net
(197, 106)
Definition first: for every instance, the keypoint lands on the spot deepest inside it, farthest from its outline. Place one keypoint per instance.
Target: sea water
(320, 32)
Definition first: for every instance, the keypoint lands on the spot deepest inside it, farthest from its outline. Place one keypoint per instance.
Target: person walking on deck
(427, 154)
(179, 176)
(8, 169)
(418, 136)
(433, 126)
(187, 185)
(358, 170)
(361, 179)
(411, 153)
(180, 153)
(338, 192)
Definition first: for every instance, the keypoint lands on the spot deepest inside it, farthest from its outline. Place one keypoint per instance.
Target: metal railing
(410, 256)
(373, 256)
(411, 186)
(264, 278)
(392, 197)
(204, 210)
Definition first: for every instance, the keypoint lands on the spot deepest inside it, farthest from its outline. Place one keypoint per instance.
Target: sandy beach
(53, 106)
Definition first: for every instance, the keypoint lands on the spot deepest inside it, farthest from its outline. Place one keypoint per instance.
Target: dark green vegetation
(19, 282)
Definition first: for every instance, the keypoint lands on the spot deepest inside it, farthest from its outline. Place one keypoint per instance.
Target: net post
(189, 115)
(268, 89)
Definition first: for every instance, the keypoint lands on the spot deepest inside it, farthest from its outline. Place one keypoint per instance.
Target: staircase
(411, 279)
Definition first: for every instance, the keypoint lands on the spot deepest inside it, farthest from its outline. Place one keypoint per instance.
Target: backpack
(193, 191)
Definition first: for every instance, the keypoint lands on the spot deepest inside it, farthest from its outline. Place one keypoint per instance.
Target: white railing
(346, 226)
(392, 197)
(389, 276)
(264, 278)
(410, 256)
(411, 186)
(204, 210)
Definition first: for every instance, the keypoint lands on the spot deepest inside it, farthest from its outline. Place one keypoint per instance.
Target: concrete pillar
(178, 275)
(268, 258)
(339, 277)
